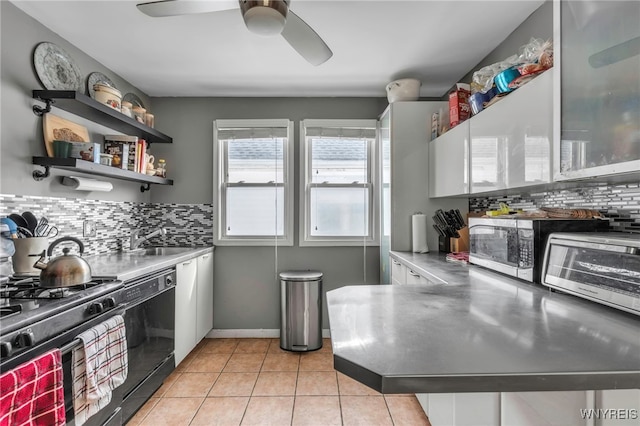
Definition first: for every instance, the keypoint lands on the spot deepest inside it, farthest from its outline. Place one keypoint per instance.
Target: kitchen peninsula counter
(474, 330)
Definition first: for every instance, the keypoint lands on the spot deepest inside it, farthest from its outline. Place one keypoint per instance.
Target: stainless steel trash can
(301, 310)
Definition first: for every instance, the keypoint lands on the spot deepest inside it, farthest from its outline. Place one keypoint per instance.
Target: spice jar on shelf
(139, 113)
(161, 170)
(149, 120)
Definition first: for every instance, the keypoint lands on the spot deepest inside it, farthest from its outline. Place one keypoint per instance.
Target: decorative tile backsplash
(619, 203)
(186, 224)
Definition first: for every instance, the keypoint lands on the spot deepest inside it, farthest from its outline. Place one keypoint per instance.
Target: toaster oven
(603, 267)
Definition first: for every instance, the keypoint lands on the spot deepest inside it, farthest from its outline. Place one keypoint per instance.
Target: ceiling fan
(264, 17)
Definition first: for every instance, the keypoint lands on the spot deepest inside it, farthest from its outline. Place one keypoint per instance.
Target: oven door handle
(75, 342)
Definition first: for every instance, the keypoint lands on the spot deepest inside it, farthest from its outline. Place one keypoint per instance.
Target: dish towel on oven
(32, 393)
(99, 365)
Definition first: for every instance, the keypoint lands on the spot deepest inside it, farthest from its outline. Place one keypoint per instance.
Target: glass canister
(138, 114)
(149, 120)
(161, 169)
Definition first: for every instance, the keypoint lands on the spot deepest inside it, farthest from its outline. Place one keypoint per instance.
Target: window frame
(220, 162)
(304, 217)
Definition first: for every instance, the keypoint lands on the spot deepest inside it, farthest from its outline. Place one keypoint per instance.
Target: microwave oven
(515, 246)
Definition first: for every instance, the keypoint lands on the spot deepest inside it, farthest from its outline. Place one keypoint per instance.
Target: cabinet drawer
(398, 272)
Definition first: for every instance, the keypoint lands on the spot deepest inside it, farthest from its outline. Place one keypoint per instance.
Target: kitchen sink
(161, 251)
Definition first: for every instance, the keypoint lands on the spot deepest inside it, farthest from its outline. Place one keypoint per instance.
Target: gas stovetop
(23, 301)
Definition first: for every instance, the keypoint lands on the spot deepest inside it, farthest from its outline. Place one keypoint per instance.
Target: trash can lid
(300, 275)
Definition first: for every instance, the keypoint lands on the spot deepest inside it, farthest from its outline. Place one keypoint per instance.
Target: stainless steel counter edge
(126, 265)
(478, 331)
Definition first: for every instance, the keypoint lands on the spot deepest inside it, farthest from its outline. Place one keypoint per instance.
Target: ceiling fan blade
(164, 8)
(305, 40)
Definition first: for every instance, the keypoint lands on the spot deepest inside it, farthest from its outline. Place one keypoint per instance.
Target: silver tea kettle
(63, 271)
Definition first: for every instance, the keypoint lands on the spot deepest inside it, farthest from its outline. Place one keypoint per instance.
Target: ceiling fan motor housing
(265, 17)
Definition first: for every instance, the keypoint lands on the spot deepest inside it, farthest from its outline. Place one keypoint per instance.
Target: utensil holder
(444, 244)
(28, 251)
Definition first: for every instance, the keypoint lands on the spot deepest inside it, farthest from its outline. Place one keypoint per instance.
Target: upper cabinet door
(599, 88)
(511, 141)
(448, 162)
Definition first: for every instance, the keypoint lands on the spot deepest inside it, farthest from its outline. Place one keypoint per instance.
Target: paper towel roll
(84, 184)
(419, 233)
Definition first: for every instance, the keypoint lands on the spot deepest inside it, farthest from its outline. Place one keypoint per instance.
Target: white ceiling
(373, 42)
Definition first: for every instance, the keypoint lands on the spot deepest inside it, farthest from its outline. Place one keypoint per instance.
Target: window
(252, 183)
(337, 182)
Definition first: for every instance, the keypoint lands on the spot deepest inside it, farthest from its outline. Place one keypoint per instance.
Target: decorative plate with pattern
(55, 68)
(98, 77)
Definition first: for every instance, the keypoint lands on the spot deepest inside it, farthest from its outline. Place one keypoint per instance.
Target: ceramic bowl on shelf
(151, 172)
(107, 95)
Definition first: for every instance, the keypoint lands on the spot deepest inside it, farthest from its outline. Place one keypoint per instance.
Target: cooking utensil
(13, 228)
(19, 220)
(31, 220)
(66, 270)
(24, 232)
(49, 231)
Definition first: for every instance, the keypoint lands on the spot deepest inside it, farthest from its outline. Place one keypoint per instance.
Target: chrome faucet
(136, 240)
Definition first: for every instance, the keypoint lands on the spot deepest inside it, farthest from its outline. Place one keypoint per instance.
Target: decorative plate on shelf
(55, 68)
(98, 77)
(134, 99)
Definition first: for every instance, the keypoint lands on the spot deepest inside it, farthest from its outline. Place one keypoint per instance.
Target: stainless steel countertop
(479, 331)
(128, 265)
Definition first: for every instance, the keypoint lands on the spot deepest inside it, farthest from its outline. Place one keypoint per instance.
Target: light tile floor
(254, 382)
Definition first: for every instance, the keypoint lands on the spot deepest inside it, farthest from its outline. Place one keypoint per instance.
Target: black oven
(150, 328)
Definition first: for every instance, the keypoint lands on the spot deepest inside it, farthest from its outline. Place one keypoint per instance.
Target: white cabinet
(398, 272)
(186, 306)
(598, 119)
(415, 278)
(204, 293)
(462, 409)
(194, 303)
(546, 408)
(620, 407)
(511, 141)
(449, 162)
(404, 155)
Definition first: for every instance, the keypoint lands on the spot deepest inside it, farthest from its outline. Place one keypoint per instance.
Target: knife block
(462, 243)
(444, 244)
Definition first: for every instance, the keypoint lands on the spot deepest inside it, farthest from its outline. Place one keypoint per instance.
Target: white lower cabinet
(415, 278)
(186, 306)
(620, 407)
(462, 409)
(204, 292)
(194, 303)
(398, 272)
(566, 408)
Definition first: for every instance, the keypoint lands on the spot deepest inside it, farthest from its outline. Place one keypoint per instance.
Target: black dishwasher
(150, 326)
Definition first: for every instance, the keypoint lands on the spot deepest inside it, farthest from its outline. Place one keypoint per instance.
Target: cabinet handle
(413, 274)
(186, 263)
(205, 256)
(395, 262)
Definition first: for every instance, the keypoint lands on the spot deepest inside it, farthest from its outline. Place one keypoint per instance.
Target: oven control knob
(5, 349)
(169, 281)
(109, 302)
(25, 339)
(95, 308)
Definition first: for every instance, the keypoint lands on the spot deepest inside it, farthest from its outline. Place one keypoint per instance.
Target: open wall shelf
(82, 166)
(87, 107)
